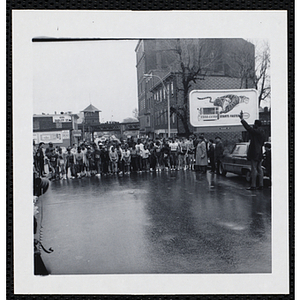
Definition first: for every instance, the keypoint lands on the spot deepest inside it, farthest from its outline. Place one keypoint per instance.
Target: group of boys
(115, 157)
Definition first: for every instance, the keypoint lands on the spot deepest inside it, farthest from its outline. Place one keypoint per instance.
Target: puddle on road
(232, 226)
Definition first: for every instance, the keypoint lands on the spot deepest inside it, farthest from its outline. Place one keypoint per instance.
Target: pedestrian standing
(182, 152)
(139, 149)
(120, 159)
(61, 164)
(267, 161)
(84, 159)
(89, 161)
(34, 148)
(48, 150)
(157, 149)
(173, 154)
(39, 158)
(105, 161)
(74, 149)
(114, 157)
(165, 152)
(79, 163)
(126, 159)
(255, 154)
(201, 156)
(219, 150)
(211, 155)
(70, 163)
(133, 154)
(152, 157)
(97, 160)
(191, 153)
(145, 158)
(54, 164)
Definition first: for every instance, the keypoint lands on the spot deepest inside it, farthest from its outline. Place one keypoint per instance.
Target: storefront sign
(61, 119)
(131, 132)
(65, 134)
(76, 133)
(221, 108)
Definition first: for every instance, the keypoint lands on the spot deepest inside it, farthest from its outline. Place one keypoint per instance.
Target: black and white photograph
(155, 155)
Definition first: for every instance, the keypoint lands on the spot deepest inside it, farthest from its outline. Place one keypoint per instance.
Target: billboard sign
(53, 137)
(217, 108)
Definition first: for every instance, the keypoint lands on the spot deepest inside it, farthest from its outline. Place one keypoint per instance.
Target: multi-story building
(224, 64)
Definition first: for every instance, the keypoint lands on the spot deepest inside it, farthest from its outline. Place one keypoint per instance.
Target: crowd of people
(126, 156)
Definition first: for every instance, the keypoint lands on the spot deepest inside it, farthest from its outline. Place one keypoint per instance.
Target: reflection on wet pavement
(176, 222)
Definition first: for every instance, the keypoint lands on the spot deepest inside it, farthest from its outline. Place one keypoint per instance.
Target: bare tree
(195, 58)
(135, 113)
(254, 74)
(262, 70)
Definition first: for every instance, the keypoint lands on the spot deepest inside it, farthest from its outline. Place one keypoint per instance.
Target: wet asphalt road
(175, 222)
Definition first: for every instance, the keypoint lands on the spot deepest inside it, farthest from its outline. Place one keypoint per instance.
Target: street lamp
(168, 98)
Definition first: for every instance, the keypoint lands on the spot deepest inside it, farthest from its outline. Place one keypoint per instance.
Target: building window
(142, 104)
(36, 124)
(173, 118)
(172, 88)
(160, 95)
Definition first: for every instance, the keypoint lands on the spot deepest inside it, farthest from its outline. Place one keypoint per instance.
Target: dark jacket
(257, 139)
(219, 149)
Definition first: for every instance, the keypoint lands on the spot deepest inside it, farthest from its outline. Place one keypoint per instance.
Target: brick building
(221, 61)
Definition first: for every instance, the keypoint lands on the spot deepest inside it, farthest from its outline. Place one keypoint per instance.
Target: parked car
(236, 162)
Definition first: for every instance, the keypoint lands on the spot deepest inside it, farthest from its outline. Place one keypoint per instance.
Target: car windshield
(239, 149)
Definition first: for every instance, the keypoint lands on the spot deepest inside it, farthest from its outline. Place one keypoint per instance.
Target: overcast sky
(68, 76)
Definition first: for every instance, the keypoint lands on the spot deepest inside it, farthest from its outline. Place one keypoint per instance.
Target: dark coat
(219, 149)
(257, 139)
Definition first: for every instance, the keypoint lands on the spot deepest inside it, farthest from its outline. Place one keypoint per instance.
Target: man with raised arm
(255, 154)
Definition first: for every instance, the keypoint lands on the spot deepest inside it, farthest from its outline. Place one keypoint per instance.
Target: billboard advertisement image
(209, 108)
(53, 137)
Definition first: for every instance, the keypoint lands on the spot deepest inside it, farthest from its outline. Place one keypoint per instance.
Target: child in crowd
(126, 159)
(134, 158)
(152, 157)
(114, 157)
(70, 163)
(191, 153)
(97, 160)
(61, 164)
(89, 161)
(173, 154)
(145, 159)
(79, 163)
(53, 164)
(165, 152)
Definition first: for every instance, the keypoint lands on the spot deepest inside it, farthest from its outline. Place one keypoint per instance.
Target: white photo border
(27, 24)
